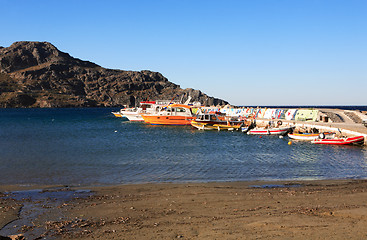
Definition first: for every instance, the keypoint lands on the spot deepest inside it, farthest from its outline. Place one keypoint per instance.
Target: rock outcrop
(37, 74)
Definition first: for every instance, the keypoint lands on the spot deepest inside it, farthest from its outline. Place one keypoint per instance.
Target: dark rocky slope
(37, 74)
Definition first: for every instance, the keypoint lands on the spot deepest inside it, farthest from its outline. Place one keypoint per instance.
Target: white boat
(133, 114)
(270, 131)
(146, 107)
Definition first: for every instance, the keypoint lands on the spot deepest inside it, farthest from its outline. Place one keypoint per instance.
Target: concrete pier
(342, 122)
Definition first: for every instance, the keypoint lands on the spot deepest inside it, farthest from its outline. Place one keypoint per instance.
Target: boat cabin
(146, 104)
(177, 110)
(207, 117)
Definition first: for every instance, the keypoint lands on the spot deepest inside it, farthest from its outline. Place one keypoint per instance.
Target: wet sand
(233, 210)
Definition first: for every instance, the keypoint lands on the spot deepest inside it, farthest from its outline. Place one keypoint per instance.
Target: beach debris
(13, 237)
(79, 226)
(26, 228)
(120, 220)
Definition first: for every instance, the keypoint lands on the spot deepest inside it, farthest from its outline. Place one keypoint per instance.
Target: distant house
(307, 115)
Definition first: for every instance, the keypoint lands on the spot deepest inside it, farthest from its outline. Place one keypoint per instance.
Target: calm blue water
(91, 147)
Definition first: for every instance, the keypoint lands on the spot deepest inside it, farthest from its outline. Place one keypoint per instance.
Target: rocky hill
(37, 74)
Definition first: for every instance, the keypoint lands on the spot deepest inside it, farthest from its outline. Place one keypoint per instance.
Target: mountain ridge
(37, 74)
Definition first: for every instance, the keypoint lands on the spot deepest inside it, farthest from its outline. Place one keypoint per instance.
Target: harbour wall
(342, 122)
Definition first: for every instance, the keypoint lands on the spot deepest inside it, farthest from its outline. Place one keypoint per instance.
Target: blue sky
(260, 52)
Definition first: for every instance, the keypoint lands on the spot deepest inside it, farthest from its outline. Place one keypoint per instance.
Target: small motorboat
(311, 136)
(270, 131)
(358, 140)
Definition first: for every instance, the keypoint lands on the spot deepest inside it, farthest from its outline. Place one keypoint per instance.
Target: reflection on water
(90, 146)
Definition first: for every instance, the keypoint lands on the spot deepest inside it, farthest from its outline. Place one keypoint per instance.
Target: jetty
(340, 121)
(345, 122)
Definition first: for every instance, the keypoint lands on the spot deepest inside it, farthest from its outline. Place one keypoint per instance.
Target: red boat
(341, 141)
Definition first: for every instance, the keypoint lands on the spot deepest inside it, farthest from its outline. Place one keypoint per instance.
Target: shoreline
(327, 209)
(30, 187)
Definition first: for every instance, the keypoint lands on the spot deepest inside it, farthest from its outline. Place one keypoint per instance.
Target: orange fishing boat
(175, 114)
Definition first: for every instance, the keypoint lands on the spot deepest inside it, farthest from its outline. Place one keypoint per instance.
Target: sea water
(92, 147)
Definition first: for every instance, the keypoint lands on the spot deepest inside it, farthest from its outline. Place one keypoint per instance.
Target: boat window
(180, 110)
(214, 117)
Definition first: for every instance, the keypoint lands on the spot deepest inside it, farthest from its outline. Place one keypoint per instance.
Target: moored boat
(175, 114)
(117, 114)
(270, 131)
(146, 107)
(358, 140)
(311, 136)
(216, 122)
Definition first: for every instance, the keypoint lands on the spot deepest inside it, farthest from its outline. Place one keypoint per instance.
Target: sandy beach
(230, 210)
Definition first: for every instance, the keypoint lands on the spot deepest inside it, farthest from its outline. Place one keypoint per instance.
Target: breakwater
(346, 120)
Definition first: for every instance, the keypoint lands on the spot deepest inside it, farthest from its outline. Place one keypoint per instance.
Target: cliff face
(37, 74)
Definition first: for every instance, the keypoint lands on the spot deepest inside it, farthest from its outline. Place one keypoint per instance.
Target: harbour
(183, 120)
(92, 147)
(83, 173)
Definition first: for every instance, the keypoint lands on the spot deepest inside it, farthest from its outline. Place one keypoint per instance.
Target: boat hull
(309, 136)
(341, 141)
(167, 120)
(134, 117)
(269, 131)
(117, 114)
(215, 126)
